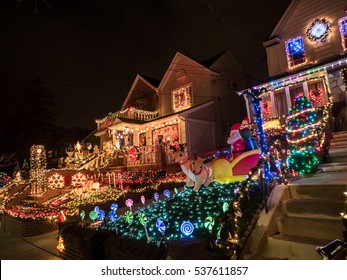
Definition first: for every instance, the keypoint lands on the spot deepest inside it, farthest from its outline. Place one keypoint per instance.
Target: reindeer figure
(203, 172)
(181, 157)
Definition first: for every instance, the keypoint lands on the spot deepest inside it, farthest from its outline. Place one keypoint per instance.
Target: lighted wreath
(266, 107)
(319, 30)
(316, 95)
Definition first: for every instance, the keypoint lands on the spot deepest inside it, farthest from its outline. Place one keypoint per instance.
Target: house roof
(282, 22)
(154, 82)
(311, 68)
(210, 61)
(148, 81)
(173, 63)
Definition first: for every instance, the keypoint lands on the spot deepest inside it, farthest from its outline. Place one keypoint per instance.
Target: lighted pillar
(38, 169)
(253, 97)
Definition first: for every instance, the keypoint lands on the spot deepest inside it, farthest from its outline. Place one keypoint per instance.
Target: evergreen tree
(302, 136)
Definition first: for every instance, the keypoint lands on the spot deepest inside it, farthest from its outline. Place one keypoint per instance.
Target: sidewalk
(41, 247)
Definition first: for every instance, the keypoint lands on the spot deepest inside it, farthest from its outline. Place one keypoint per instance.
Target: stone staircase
(337, 153)
(311, 211)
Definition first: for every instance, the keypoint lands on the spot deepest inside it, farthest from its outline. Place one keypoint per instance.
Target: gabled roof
(154, 82)
(210, 61)
(174, 64)
(133, 86)
(282, 22)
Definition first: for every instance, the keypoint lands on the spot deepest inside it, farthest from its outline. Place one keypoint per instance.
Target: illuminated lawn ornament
(225, 207)
(78, 179)
(129, 217)
(129, 202)
(114, 207)
(56, 181)
(143, 221)
(209, 223)
(187, 228)
(93, 215)
(101, 215)
(156, 196)
(143, 199)
(167, 193)
(160, 226)
(82, 215)
(176, 191)
(113, 218)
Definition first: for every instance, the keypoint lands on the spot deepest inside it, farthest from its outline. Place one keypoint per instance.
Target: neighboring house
(306, 53)
(194, 103)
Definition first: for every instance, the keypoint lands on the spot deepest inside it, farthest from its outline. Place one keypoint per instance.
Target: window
(266, 106)
(142, 139)
(295, 52)
(343, 31)
(182, 98)
(317, 93)
(281, 102)
(295, 90)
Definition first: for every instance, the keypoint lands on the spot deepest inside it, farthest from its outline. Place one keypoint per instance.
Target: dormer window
(343, 32)
(182, 98)
(295, 50)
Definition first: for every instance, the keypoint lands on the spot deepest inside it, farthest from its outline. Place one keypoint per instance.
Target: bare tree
(7, 159)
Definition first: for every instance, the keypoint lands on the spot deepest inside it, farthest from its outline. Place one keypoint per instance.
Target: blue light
(160, 226)
(101, 215)
(296, 46)
(187, 228)
(319, 29)
(113, 216)
(114, 207)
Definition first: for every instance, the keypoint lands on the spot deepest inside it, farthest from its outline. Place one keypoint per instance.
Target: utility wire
(227, 23)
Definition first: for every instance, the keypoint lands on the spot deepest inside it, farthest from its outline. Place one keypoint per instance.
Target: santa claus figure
(236, 142)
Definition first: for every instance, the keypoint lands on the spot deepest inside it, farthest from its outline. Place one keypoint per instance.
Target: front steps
(291, 247)
(311, 214)
(311, 218)
(338, 148)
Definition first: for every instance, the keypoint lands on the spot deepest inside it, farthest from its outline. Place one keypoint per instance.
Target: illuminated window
(182, 98)
(295, 52)
(266, 106)
(317, 93)
(343, 31)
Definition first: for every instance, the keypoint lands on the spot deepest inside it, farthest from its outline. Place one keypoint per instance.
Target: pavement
(43, 247)
(40, 247)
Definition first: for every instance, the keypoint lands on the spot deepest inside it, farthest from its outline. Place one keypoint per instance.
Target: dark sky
(88, 52)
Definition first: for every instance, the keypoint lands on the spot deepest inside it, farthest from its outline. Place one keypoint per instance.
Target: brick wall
(26, 227)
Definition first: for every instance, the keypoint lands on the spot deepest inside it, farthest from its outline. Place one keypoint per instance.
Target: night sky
(88, 52)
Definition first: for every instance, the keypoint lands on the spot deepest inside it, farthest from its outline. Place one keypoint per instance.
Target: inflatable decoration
(245, 155)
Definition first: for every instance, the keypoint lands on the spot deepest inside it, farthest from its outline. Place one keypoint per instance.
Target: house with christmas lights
(306, 53)
(194, 103)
